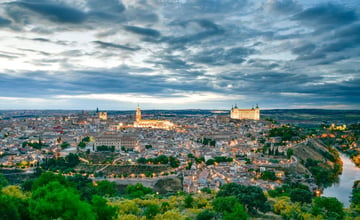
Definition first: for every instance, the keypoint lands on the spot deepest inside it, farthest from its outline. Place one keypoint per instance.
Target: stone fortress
(252, 114)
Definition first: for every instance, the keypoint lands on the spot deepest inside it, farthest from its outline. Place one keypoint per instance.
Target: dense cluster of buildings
(202, 136)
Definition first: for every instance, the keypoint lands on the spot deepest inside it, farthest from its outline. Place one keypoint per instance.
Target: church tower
(138, 113)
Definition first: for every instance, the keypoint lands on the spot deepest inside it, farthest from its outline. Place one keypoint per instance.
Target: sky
(179, 54)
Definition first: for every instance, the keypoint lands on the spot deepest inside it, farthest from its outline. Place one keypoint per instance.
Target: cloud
(108, 11)
(199, 30)
(117, 46)
(143, 31)
(327, 16)
(4, 22)
(174, 98)
(113, 6)
(220, 56)
(54, 11)
(281, 6)
(275, 52)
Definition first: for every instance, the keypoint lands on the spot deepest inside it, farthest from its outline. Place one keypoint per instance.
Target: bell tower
(138, 113)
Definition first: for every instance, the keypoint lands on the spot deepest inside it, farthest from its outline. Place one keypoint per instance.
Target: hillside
(323, 163)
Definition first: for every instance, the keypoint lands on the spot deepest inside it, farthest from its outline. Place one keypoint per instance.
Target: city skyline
(179, 54)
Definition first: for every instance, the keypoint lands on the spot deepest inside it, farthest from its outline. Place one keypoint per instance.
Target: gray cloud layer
(276, 53)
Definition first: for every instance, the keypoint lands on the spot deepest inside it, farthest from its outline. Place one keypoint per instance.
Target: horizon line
(184, 109)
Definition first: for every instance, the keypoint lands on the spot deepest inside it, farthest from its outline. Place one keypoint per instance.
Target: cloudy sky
(179, 54)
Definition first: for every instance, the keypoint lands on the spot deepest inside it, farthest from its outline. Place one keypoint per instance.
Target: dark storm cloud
(27, 86)
(209, 29)
(117, 46)
(272, 50)
(348, 37)
(119, 81)
(4, 22)
(54, 11)
(114, 6)
(264, 64)
(327, 16)
(268, 82)
(110, 10)
(346, 91)
(206, 7)
(143, 31)
(122, 79)
(34, 51)
(41, 39)
(171, 63)
(8, 56)
(305, 48)
(141, 15)
(282, 6)
(340, 44)
(220, 56)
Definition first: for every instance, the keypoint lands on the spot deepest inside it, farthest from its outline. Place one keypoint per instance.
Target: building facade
(159, 124)
(102, 115)
(252, 114)
(115, 139)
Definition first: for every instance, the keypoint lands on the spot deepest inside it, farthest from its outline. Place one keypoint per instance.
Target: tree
(141, 160)
(55, 200)
(106, 188)
(188, 202)
(230, 208)
(165, 206)
(151, 211)
(128, 207)
(13, 203)
(171, 214)
(238, 213)
(27, 185)
(268, 175)
(82, 144)
(138, 190)
(3, 181)
(84, 185)
(206, 215)
(328, 207)
(72, 160)
(224, 204)
(65, 145)
(86, 139)
(148, 146)
(210, 162)
(301, 195)
(162, 159)
(101, 209)
(206, 190)
(8, 208)
(174, 162)
(46, 178)
(251, 196)
(289, 152)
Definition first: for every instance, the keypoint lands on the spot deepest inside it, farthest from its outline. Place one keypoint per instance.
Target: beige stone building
(253, 114)
(116, 139)
(159, 124)
(102, 115)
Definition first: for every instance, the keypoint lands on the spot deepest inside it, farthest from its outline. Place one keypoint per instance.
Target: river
(342, 190)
